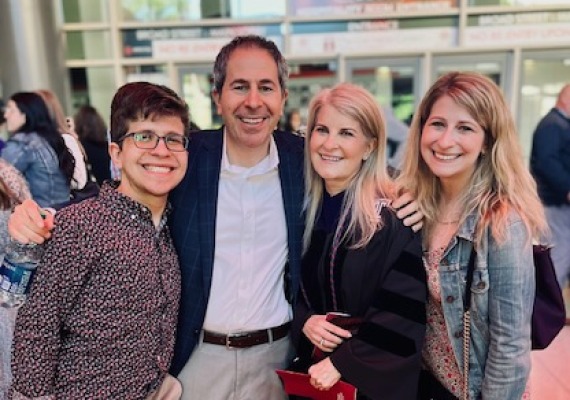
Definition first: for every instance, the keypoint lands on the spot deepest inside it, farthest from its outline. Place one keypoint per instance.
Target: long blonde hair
(370, 183)
(500, 182)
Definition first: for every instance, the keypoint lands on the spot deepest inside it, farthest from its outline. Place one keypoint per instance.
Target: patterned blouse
(437, 352)
(100, 320)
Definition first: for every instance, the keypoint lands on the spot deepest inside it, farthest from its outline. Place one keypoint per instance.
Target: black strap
(469, 280)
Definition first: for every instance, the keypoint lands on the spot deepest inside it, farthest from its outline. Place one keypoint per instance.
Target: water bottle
(17, 271)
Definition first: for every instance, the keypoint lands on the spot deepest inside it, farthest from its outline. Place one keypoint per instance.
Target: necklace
(456, 221)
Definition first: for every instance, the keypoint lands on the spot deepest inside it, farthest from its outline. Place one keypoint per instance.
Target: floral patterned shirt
(100, 319)
(437, 352)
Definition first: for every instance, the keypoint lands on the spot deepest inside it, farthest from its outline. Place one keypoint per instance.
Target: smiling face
(337, 148)
(451, 143)
(251, 103)
(147, 176)
(15, 119)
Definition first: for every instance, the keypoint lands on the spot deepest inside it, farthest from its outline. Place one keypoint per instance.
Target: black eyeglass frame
(186, 140)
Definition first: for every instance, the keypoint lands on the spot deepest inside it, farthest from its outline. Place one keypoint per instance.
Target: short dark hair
(249, 41)
(138, 101)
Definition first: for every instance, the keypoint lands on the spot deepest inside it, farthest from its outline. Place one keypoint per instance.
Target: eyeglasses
(148, 140)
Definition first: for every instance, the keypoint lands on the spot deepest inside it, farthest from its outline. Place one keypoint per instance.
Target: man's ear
(285, 97)
(216, 97)
(115, 151)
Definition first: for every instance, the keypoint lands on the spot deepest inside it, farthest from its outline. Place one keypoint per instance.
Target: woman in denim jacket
(464, 166)
(37, 149)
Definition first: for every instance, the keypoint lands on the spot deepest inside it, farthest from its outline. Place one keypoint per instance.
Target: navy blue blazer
(193, 228)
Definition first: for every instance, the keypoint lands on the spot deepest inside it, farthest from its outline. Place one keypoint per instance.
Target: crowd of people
(219, 257)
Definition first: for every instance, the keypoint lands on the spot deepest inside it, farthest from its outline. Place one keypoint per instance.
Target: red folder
(298, 384)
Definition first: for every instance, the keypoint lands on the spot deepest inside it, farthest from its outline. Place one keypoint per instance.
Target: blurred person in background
(13, 190)
(92, 132)
(37, 150)
(550, 166)
(3, 133)
(65, 128)
(293, 122)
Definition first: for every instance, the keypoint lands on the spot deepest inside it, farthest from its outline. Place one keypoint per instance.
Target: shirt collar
(267, 164)
(124, 204)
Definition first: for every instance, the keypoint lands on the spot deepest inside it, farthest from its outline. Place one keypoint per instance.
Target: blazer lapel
(291, 177)
(208, 179)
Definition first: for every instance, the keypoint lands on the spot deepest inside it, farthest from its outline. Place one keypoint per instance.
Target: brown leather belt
(241, 340)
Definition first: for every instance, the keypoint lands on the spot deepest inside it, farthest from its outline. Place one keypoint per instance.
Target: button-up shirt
(100, 320)
(251, 249)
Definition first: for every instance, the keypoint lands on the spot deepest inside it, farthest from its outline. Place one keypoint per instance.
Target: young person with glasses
(100, 320)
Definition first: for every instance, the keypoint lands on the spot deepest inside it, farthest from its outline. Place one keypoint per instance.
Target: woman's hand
(323, 374)
(323, 334)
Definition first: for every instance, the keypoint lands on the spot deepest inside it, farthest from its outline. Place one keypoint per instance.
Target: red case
(298, 384)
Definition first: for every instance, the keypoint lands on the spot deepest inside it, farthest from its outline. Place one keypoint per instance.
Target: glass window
(305, 80)
(84, 11)
(496, 66)
(394, 84)
(150, 73)
(88, 45)
(196, 89)
(184, 10)
(543, 74)
(94, 86)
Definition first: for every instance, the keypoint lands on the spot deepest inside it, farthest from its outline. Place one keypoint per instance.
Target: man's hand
(30, 224)
(407, 210)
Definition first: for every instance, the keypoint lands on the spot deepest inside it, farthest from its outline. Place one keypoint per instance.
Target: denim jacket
(501, 308)
(37, 161)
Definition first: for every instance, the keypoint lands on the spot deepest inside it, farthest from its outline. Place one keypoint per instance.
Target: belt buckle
(229, 336)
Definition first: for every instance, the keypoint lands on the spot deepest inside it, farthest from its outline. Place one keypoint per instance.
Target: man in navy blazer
(239, 243)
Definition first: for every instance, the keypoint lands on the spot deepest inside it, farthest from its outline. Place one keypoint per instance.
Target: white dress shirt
(251, 249)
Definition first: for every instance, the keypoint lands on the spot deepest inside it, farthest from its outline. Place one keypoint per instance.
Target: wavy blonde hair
(501, 182)
(359, 213)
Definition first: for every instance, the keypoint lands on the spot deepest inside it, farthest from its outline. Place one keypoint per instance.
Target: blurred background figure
(3, 133)
(13, 190)
(294, 123)
(92, 132)
(397, 132)
(37, 150)
(550, 165)
(65, 127)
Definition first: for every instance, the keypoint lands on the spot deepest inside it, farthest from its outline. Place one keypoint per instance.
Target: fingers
(415, 221)
(323, 334)
(407, 209)
(26, 223)
(324, 375)
(404, 199)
